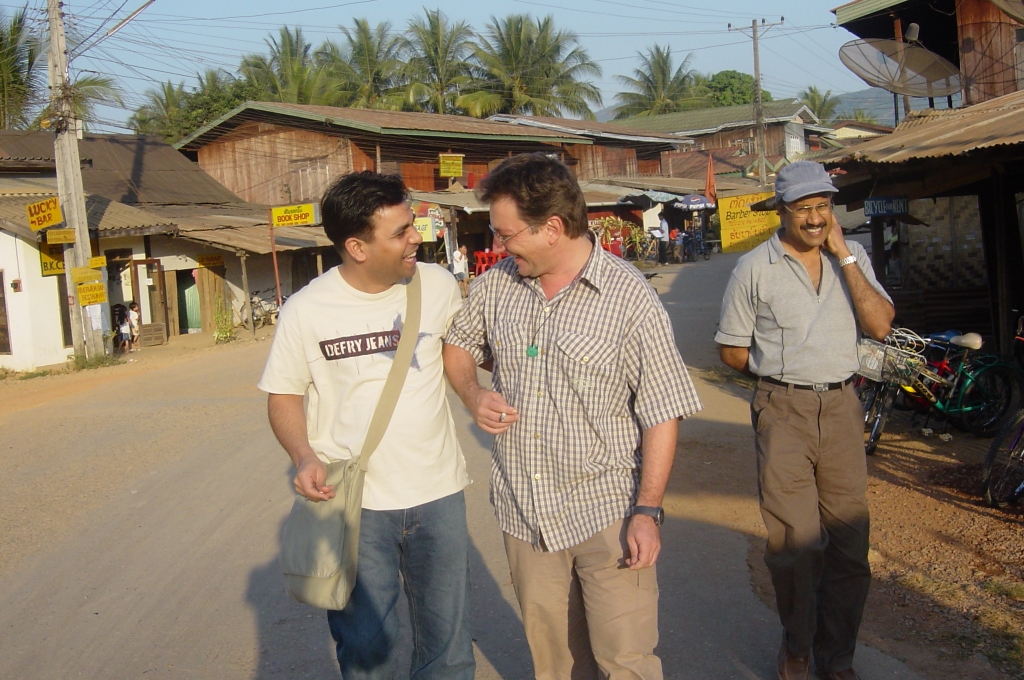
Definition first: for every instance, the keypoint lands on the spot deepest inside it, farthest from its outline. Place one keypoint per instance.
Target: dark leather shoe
(848, 674)
(793, 667)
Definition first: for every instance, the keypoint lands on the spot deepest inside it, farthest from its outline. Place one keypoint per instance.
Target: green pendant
(531, 351)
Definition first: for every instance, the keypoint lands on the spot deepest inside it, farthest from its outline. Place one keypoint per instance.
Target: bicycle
(263, 311)
(884, 367)
(1002, 478)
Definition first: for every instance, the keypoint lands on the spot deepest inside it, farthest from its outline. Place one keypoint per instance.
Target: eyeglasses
(505, 239)
(804, 211)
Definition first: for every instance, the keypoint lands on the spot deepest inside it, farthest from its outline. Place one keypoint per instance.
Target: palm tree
(823, 106)
(438, 68)
(369, 67)
(290, 73)
(21, 80)
(162, 112)
(526, 66)
(660, 87)
(86, 93)
(859, 116)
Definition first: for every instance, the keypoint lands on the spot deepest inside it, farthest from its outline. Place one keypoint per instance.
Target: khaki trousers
(812, 479)
(587, 616)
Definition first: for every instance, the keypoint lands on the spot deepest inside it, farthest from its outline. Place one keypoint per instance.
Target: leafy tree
(658, 86)
(733, 87)
(438, 67)
(822, 105)
(86, 93)
(527, 66)
(162, 112)
(290, 74)
(859, 116)
(21, 77)
(368, 71)
(218, 93)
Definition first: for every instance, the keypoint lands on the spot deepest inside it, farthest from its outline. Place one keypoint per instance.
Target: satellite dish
(1013, 9)
(901, 68)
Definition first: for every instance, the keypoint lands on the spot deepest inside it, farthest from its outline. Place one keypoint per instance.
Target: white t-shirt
(339, 343)
(461, 265)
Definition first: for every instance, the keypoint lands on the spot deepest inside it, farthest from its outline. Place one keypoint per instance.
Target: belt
(817, 387)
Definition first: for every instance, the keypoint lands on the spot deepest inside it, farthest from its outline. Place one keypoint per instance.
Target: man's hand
(643, 536)
(311, 480)
(491, 412)
(836, 242)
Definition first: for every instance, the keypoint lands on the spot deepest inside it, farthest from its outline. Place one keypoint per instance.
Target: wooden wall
(603, 161)
(987, 60)
(774, 139)
(275, 165)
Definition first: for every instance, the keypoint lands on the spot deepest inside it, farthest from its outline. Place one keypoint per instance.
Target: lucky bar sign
(303, 215)
(44, 213)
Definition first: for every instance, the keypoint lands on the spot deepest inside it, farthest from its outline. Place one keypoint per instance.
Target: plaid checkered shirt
(606, 368)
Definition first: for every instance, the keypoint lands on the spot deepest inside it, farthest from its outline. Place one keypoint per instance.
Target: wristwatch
(657, 513)
(849, 259)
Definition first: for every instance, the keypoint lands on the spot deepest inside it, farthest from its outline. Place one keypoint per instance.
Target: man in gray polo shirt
(792, 314)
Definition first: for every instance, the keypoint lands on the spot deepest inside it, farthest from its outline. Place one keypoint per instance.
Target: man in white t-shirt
(334, 344)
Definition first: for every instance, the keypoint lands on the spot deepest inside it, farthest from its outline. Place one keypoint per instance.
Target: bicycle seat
(968, 340)
(944, 336)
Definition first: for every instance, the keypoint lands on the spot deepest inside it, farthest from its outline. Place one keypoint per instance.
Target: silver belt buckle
(819, 387)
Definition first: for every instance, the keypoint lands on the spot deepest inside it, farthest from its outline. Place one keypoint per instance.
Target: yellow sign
(98, 262)
(51, 259)
(425, 225)
(451, 164)
(208, 261)
(45, 213)
(743, 228)
(60, 236)
(92, 294)
(304, 215)
(85, 275)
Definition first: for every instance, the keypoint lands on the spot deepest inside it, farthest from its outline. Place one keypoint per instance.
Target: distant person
(587, 391)
(124, 330)
(335, 342)
(663, 238)
(792, 315)
(677, 246)
(134, 325)
(460, 267)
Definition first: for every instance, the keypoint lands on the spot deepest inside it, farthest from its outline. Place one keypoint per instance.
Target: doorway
(189, 317)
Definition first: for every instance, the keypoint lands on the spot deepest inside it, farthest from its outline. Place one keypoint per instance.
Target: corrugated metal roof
(591, 128)
(126, 168)
(107, 217)
(858, 9)
(997, 122)
(706, 121)
(731, 186)
(596, 194)
(389, 123)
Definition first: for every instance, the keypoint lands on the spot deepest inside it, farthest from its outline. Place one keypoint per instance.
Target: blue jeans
(427, 545)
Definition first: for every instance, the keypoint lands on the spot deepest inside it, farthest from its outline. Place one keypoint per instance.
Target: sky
(176, 39)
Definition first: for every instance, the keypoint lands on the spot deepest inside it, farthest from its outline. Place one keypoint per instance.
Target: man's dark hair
(348, 205)
(541, 187)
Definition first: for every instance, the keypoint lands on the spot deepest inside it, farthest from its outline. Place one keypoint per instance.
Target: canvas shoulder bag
(320, 540)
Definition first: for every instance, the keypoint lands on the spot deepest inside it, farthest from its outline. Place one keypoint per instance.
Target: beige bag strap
(396, 376)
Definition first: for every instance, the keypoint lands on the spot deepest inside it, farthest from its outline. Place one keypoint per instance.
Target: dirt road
(140, 507)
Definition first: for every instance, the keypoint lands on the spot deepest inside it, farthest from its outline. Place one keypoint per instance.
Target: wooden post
(878, 247)
(251, 323)
(376, 168)
(898, 30)
(273, 254)
(319, 263)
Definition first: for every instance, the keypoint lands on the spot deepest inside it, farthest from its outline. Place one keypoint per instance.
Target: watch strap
(849, 259)
(656, 512)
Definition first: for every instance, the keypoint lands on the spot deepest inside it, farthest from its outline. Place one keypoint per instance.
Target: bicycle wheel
(866, 390)
(707, 253)
(986, 399)
(1002, 479)
(881, 409)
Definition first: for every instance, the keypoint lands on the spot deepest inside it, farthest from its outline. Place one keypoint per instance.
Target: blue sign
(886, 206)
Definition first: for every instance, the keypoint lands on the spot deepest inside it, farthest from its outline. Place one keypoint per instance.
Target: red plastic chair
(480, 262)
(492, 259)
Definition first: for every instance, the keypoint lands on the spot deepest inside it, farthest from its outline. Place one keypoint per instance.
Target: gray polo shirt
(795, 333)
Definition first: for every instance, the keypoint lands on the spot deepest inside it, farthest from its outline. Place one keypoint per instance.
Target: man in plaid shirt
(587, 391)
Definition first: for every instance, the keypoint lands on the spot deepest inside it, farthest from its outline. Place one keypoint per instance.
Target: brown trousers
(812, 479)
(587, 616)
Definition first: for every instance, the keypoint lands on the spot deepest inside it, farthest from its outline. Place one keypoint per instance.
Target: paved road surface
(140, 510)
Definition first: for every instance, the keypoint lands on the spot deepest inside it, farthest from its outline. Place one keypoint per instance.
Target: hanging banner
(450, 164)
(742, 228)
(302, 215)
(44, 213)
(92, 294)
(210, 261)
(51, 259)
(60, 236)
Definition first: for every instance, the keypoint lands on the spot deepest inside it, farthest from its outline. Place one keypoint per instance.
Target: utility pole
(758, 107)
(88, 340)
